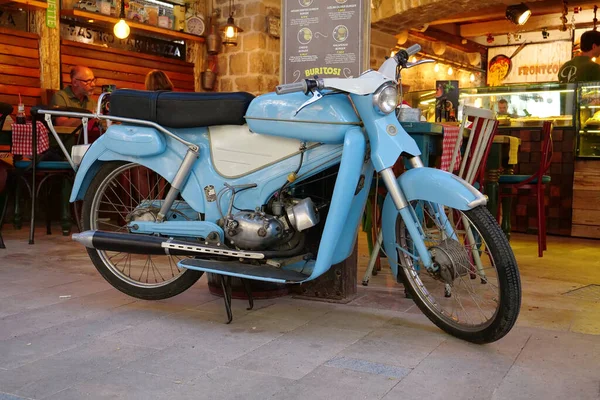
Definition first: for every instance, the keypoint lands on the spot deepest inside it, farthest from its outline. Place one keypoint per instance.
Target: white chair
(483, 126)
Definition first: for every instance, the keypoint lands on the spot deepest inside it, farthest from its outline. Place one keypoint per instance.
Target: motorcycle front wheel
(119, 194)
(474, 290)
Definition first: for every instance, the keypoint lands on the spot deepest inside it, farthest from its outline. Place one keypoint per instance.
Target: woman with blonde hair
(158, 80)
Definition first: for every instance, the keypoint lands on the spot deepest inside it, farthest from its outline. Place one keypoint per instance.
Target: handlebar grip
(292, 87)
(414, 49)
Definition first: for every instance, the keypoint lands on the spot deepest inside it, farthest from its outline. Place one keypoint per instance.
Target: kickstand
(248, 291)
(226, 285)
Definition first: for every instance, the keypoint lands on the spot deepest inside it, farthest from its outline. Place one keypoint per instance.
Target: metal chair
(5, 110)
(535, 184)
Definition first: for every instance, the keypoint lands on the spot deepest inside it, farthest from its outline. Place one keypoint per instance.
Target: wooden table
(5, 139)
(427, 136)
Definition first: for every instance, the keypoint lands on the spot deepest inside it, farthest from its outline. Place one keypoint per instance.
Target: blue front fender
(432, 185)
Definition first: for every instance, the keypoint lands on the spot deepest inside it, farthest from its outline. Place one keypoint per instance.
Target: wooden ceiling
(544, 14)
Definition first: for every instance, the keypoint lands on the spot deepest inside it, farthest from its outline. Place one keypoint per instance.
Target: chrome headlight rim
(385, 98)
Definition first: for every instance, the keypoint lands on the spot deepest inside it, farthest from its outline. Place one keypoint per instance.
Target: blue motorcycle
(272, 188)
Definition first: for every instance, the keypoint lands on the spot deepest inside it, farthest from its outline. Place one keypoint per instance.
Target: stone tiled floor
(66, 334)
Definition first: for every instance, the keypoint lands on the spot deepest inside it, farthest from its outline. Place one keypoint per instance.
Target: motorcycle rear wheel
(476, 293)
(113, 198)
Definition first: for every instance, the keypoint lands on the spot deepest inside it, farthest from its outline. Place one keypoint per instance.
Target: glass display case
(588, 135)
(520, 105)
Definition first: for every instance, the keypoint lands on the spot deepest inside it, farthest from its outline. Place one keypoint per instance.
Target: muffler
(155, 245)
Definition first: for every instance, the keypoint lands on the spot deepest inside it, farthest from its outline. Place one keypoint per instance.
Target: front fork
(410, 217)
(406, 211)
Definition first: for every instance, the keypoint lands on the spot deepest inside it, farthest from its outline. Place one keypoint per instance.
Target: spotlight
(436, 68)
(472, 78)
(450, 71)
(518, 14)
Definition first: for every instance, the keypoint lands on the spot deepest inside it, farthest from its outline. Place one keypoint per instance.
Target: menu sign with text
(324, 38)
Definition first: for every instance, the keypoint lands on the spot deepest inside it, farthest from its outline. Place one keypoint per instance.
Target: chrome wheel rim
(475, 291)
(129, 192)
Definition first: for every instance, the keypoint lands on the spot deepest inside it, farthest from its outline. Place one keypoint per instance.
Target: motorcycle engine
(257, 230)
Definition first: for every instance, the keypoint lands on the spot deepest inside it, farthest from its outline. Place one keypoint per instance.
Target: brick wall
(559, 194)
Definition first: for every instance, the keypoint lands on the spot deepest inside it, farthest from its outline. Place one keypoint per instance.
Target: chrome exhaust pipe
(155, 245)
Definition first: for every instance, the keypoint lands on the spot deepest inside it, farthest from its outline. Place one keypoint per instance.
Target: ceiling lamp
(472, 78)
(518, 14)
(450, 71)
(437, 67)
(230, 30)
(121, 29)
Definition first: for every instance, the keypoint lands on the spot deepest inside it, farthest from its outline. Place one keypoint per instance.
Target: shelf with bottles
(97, 17)
(156, 16)
(28, 4)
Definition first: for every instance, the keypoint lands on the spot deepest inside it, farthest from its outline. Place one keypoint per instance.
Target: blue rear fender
(165, 163)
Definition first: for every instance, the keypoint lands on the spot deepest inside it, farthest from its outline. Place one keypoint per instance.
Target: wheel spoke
(470, 304)
(129, 192)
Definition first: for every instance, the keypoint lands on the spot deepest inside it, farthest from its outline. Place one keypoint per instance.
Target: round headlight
(385, 98)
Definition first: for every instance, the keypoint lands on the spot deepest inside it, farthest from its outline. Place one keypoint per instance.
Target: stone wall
(253, 65)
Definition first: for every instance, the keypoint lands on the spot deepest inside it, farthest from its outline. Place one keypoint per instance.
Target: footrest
(247, 271)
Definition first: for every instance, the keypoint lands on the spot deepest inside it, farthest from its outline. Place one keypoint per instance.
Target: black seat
(181, 109)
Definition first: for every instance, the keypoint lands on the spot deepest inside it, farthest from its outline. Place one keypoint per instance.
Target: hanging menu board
(327, 38)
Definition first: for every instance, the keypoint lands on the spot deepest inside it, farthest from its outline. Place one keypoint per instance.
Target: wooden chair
(534, 184)
(481, 126)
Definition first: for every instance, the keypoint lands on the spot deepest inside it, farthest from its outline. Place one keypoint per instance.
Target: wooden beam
(550, 21)
(456, 42)
(499, 12)
(383, 39)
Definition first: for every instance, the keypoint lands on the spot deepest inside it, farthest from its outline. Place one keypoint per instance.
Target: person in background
(581, 68)
(158, 80)
(503, 108)
(77, 94)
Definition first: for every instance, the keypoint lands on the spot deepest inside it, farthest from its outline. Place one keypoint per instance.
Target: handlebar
(292, 87)
(414, 49)
(304, 86)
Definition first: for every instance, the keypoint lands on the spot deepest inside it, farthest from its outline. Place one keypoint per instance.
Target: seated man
(77, 94)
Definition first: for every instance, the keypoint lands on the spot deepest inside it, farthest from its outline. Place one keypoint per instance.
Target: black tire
(508, 282)
(183, 282)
